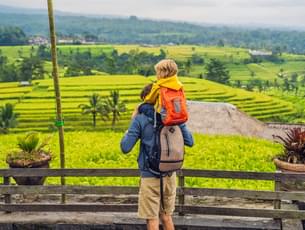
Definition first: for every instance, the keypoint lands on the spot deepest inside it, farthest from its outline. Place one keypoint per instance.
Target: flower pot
(286, 167)
(42, 163)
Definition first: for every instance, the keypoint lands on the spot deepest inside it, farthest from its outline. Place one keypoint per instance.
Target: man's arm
(187, 136)
(131, 136)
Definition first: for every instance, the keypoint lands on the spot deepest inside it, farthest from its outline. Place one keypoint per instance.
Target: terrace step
(259, 108)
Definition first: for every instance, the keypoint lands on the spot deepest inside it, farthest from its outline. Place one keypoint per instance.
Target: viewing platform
(114, 207)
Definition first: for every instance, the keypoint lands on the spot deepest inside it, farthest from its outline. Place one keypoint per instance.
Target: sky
(285, 13)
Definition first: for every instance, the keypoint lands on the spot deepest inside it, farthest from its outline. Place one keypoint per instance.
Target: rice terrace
(68, 95)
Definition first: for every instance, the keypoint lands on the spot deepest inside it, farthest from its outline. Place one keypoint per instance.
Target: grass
(101, 150)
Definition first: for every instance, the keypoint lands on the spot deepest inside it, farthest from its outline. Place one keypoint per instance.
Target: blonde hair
(166, 68)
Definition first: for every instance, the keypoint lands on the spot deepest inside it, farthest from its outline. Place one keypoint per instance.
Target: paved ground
(95, 221)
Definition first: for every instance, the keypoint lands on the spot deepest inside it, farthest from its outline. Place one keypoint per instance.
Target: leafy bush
(294, 146)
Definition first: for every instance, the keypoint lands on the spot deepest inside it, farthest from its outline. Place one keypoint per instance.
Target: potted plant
(292, 159)
(31, 154)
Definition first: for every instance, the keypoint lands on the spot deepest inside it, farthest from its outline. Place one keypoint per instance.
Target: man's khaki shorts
(149, 197)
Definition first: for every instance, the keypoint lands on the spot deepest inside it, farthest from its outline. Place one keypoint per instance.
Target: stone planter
(42, 163)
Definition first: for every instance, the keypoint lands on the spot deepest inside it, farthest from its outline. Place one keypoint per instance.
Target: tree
(220, 43)
(43, 53)
(303, 80)
(249, 86)
(216, 71)
(256, 83)
(112, 105)
(162, 54)
(9, 73)
(31, 68)
(188, 66)
(277, 51)
(286, 84)
(93, 108)
(267, 84)
(238, 83)
(197, 59)
(8, 118)
(12, 36)
(281, 73)
(294, 77)
(276, 83)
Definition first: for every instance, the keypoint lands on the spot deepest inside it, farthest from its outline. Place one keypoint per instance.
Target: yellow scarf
(153, 96)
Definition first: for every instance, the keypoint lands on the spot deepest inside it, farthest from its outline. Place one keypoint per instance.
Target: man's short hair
(145, 91)
(166, 68)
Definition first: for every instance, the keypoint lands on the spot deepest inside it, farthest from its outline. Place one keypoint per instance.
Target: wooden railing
(182, 208)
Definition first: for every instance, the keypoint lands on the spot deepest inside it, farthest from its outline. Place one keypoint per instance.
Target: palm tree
(94, 107)
(8, 119)
(112, 105)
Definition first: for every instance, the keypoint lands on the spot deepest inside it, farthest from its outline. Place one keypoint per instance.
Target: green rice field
(36, 104)
(101, 150)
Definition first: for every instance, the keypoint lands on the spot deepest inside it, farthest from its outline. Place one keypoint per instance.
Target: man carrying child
(145, 117)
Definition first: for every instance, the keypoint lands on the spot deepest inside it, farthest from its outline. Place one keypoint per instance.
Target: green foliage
(31, 143)
(294, 146)
(94, 107)
(216, 71)
(31, 68)
(123, 31)
(31, 151)
(112, 105)
(11, 36)
(101, 150)
(132, 62)
(26, 69)
(8, 118)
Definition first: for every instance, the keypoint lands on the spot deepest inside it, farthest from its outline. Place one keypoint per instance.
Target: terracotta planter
(289, 167)
(284, 166)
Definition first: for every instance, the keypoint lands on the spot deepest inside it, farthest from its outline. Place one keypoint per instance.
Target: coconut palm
(112, 105)
(93, 108)
(8, 118)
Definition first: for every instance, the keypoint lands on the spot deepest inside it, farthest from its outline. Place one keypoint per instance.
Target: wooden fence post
(181, 197)
(7, 197)
(277, 203)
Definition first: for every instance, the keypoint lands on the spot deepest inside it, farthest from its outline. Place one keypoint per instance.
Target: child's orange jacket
(153, 97)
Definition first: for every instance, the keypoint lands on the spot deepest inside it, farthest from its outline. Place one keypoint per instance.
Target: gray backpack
(167, 153)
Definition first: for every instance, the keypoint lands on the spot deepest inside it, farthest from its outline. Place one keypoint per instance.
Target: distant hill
(135, 30)
(19, 10)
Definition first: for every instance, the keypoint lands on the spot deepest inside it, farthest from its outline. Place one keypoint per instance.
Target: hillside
(225, 119)
(36, 104)
(134, 30)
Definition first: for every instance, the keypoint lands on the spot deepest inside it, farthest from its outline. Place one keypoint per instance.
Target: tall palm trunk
(57, 91)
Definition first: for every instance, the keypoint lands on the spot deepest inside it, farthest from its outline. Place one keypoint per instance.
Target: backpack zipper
(166, 137)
